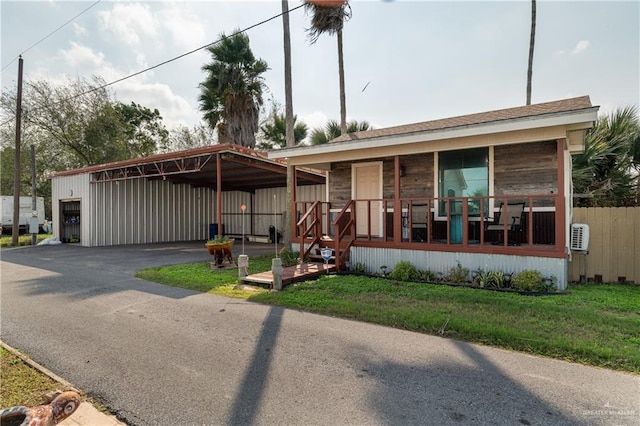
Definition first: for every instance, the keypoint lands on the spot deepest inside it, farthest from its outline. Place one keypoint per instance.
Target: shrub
(458, 274)
(359, 268)
(496, 279)
(404, 271)
(483, 278)
(426, 275)
(528, 280)
(219, 239)
(289, 257)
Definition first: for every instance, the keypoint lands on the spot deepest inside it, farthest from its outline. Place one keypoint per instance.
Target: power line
(175, 58)
(50, 34)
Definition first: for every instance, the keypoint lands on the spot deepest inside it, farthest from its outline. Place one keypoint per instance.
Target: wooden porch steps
(291, 274)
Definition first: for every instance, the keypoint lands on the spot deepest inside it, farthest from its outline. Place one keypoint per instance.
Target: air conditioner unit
(579, 237)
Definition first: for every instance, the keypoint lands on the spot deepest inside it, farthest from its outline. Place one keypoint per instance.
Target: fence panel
(614, 244)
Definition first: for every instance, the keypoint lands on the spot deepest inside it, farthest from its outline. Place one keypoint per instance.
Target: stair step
(319, 258)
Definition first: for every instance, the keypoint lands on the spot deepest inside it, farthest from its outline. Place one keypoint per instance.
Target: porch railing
(428, 223)
(345, 226)
(461, 222)
(309, 227)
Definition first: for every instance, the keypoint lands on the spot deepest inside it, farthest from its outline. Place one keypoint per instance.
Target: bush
(426, 275)
(496, 279)
(528, 280)
(405, 271)
(458, 274)
(289, 257)
(359, 268)
(482, 278)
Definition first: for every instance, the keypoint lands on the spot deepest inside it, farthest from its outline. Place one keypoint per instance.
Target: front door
(367, 185)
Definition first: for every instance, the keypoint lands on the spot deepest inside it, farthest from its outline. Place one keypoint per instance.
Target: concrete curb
(86, 414)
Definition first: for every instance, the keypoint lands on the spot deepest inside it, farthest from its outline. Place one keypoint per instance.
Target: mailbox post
(326, 255)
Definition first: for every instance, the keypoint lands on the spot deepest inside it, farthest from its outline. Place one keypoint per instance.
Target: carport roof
(241, 169)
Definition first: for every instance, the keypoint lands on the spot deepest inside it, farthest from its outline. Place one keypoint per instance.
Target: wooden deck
(291, 274)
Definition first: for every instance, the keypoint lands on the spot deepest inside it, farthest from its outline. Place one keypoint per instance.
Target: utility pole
(289, 126)
(15, 229)
(34, 207)
(532, 41)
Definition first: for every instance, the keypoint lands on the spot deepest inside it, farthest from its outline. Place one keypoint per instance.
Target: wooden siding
(526, 168)
(417, 181)
(518, 169)
(340, 184)
(614, 244)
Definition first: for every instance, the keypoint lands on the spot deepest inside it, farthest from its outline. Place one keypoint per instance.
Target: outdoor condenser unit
(579, 237)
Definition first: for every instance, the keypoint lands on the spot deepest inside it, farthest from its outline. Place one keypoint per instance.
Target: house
(176, 196)
(428, 192)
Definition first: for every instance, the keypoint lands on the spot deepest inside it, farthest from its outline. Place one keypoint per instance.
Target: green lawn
(22, 384)
(23, 240)
(591, 324)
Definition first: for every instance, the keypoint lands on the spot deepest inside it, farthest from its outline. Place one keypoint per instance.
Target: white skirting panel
(436, 261)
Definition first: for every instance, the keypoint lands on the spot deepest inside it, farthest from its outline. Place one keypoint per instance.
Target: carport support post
(219, 193)
(276, 269)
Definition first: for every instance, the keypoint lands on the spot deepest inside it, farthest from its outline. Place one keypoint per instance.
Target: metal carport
(132, 201)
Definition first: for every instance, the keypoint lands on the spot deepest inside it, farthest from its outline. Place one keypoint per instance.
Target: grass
(22, 384)
(595, 324)
(23, 240)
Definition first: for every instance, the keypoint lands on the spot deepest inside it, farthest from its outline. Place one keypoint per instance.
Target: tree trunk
(531, 45)
(343, 101)
(289, 128)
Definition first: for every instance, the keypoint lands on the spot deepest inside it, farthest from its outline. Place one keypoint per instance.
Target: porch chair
(513, 213)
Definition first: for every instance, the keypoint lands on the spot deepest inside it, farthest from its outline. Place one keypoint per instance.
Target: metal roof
(241, 169)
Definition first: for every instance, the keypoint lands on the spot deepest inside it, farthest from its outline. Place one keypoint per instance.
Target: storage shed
(180, 196)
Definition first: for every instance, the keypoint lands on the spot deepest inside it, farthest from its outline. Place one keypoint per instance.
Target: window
(463, 173)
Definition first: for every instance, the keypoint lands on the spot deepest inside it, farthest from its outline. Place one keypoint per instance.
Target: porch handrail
(342, 253)
(314, 228)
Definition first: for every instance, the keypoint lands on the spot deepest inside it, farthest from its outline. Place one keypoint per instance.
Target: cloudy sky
(405, 61)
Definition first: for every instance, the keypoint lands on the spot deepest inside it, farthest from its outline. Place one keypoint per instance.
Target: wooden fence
(614, 245)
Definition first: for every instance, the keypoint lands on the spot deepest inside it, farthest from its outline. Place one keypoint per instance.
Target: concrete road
(165, 356)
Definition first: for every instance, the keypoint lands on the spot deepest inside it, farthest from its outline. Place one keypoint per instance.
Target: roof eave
(586, 116)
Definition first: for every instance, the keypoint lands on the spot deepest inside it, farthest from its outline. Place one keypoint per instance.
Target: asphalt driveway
(159, 355)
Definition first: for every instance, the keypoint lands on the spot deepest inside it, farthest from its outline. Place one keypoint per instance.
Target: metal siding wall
(232, 214)
(311, 193)
(374, 258)
(264, 205)
(141, 211)
(61, 188)
(266, 211)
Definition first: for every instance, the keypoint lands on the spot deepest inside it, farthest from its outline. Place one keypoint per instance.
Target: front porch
(449, 224)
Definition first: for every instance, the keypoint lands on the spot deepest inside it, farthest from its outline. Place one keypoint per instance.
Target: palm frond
(326, 20)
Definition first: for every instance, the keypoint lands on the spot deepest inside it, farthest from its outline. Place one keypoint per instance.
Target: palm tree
(275, 132)
(532, 40)
(606, 173)
(332, 130)
(231, 95)
(329, 17)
